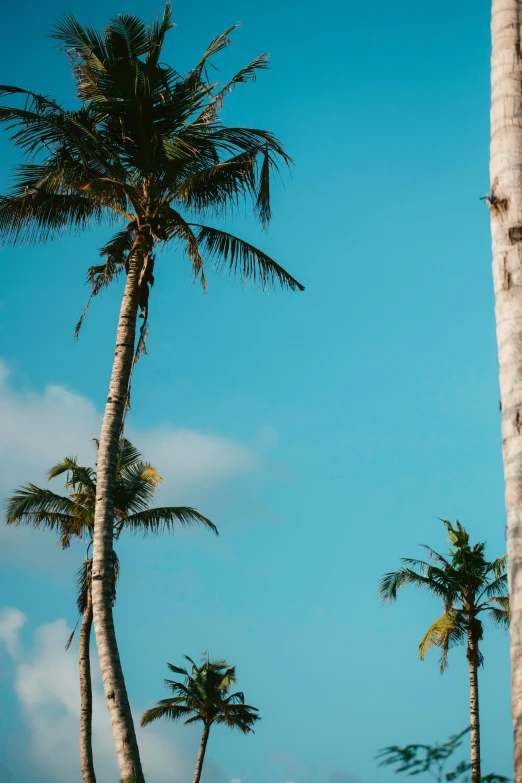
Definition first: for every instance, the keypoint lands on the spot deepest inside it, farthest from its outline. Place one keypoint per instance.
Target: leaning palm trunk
(473, 658)
(86, 759)
(102, 575)
(505, 205)
(201, 754)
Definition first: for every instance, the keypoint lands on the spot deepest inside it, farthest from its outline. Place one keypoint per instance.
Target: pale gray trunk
(86, 759)
(505, 205)
(102, 571)
(474, 711)
(201, 754)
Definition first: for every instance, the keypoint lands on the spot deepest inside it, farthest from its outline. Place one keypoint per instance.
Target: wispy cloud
(46, 685)
(40, 427)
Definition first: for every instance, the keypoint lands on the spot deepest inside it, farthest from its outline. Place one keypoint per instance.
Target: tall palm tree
(145, 149)
(505, 206)
(468, 585)
(204, 696)
(72, 517)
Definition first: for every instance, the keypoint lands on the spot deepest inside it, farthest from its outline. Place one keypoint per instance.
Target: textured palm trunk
(505, 205)
(201, 754)
(102, 574)
(474, 718)
(86, 759)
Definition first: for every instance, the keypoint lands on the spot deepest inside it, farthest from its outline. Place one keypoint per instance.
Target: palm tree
(146, 149)
(468, 585)
(204, 697)
(505, 206)
(72, 517)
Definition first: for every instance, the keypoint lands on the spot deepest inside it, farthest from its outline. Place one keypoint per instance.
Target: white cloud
(46, 684)
(11, 622)
(39, 428)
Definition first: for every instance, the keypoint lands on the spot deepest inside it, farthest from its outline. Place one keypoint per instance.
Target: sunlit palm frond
(447, 631)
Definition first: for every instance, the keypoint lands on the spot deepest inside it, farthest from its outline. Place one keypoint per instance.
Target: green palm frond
(156, 33)
(83, 585)
(246, 74)
(497, 587)
(135, 488)
(35, 507)
(227, 252)
(167, 710)
(79, 478)
(40, 216)
(155, 520)
(205, 696)
(392, 582)
(238, 716)
(144, 141)
(466, 583)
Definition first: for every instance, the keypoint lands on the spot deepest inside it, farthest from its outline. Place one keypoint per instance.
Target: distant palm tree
(146, 150)
(468, 585)
(204, 696)
(72, 517)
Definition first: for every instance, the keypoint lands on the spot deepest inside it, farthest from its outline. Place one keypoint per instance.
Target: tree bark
(474, 721)
(201, 754)
(86, 759)
(505, 205)
(102, 575)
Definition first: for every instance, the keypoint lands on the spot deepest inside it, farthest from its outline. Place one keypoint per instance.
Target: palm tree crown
(145, 149)
(72, 516)
(468, 585)
(204, 696)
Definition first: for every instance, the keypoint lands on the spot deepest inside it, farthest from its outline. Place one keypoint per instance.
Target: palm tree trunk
(102, 576)
(86, 759)
(505, 205)
(474, 721)
(201, 754)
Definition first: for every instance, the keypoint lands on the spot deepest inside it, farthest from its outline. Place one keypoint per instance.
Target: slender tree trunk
(86, 759)
(102, 575)
(505, 205)
(201, 754)
(474, 718)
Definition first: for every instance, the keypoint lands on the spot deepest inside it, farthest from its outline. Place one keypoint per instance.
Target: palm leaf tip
(230, 254)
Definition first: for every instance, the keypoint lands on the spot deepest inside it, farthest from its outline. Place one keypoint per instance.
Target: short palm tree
(469, 586)
(145, 150)
(204, 696)
(72, 517)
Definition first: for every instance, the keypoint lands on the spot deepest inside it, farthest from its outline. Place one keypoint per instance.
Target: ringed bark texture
(86, 759)
(505, 205)
(476, 775)
(201, 754)
(102, 571)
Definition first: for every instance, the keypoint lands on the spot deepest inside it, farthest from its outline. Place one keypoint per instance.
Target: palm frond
(392, 582)
(237, 257)
(35, 507)
(156, 520)
(157, 33)
(40, 216)
(167, 710)
(246, 74)
(447, 631)
(127, 35)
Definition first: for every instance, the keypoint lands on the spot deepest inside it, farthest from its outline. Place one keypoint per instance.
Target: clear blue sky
(370, 400)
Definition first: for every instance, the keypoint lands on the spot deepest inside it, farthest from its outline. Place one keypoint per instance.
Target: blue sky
(324, 432)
